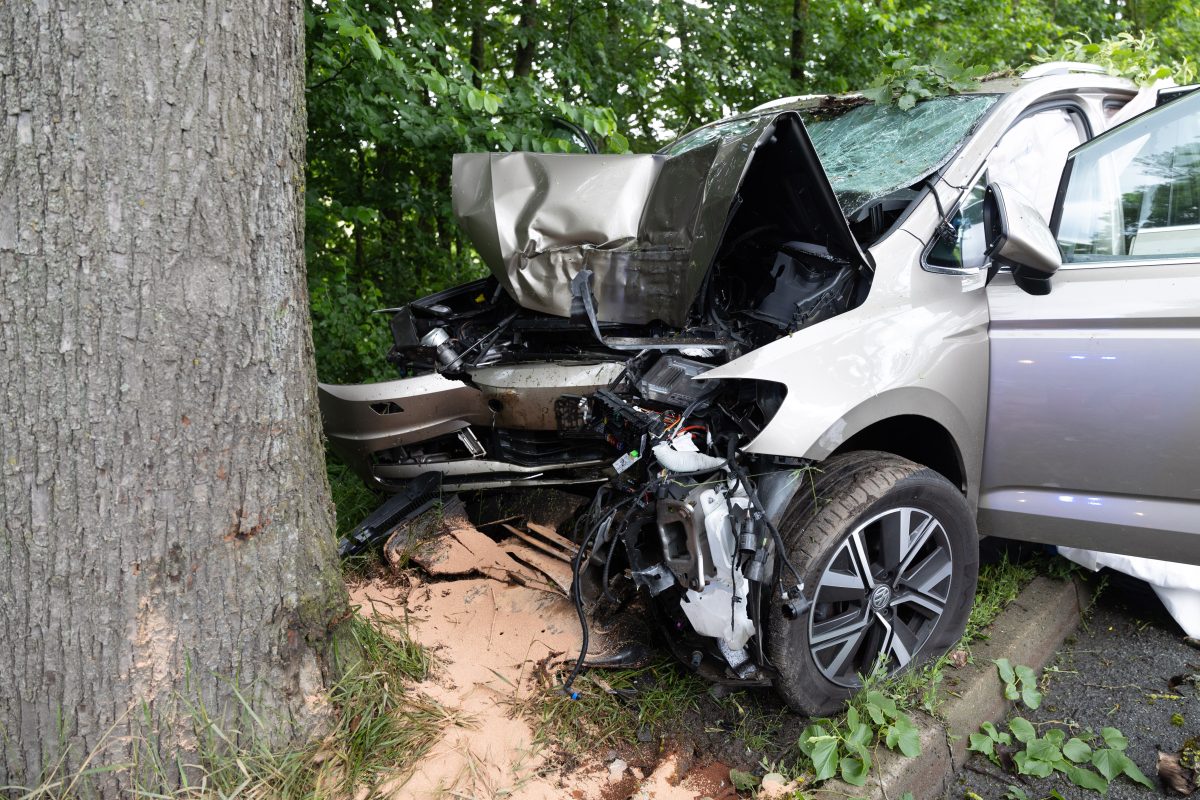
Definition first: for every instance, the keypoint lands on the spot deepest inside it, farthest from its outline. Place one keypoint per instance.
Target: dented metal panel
(647, 227)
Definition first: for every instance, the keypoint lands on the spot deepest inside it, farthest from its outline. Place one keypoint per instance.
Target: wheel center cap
(881, 597)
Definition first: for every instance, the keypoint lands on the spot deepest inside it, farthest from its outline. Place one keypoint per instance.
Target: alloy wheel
(883, 591)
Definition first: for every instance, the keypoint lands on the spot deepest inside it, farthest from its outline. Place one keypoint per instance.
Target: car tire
(916, 534)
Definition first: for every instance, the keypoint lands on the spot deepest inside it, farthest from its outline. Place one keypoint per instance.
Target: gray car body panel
(1093, 434)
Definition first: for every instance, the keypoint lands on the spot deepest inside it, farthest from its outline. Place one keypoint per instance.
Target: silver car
(803, 357)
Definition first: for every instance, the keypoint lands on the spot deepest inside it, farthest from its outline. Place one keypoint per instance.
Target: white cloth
(1177, 585)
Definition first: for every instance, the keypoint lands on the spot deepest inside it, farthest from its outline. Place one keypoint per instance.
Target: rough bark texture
(166, 529)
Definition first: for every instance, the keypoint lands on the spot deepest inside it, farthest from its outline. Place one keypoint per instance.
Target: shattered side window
(711, 133)
(870, 150)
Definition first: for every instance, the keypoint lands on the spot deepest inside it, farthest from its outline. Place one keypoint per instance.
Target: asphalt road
(1114, 672)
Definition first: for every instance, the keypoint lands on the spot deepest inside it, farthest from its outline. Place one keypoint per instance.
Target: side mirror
(1018, 237)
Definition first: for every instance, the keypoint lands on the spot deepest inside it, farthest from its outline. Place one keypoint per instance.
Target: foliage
(1137, 57)
(844, 747)
(1053, 752)
(394, 89)
(904, 82)
(1028, 692)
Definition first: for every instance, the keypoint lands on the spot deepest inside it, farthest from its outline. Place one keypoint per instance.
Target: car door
(1093, 429)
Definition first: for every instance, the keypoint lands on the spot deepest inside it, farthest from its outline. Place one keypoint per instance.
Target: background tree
(395, 88)
(166, 523)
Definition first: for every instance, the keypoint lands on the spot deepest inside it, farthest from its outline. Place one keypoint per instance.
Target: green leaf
(1085, 778)
(906, 101)
(1030, 695)
(1055, 735)
(851, 717)
(491, 103)
(825, 757)
(1028, 765)
(854, 771)
(1022, 729)
(908, 737)
(982, 743)
(860, 734)
(1108, 761)
(1077, 750)
(372, 44)
(805, 742)
(618, 143)
(435, 82)
(475, 99)
(1114, 738)
(1009, 676)
(880, 94)
(1133, 773)
(1015, 793)
(882, 703)
(1043, 750)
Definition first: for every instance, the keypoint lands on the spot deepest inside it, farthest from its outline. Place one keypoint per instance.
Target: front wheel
(890, 557)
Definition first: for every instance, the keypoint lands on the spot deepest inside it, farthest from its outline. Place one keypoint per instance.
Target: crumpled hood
(647, 227)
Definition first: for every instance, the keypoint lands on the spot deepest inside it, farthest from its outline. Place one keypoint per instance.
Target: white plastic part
(681, 455)
(715, 612)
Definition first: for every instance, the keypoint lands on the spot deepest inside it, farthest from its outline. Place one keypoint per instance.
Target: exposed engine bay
(572, 376)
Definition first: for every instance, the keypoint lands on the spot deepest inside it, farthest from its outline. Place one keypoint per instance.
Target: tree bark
(523, 60)
(799, 32)
(166, 525)
(475, 57)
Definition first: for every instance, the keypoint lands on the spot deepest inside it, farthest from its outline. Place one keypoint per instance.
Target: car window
(1030, 158)
(962, 244)
(1135, 193)
(868, 151)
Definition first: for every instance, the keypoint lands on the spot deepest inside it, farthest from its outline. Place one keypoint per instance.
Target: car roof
(1051, 78)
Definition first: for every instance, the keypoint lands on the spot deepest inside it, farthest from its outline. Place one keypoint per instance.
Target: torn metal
(646, 227)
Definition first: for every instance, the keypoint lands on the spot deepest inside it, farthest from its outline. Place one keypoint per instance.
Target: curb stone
(1030, 631)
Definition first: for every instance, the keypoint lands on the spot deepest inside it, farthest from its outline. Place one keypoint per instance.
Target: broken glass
(871, 150)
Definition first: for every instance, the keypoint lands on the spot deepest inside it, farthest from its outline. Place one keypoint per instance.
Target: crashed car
(802, 357)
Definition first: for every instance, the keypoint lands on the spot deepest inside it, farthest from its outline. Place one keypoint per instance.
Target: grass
(999, 585)
(614, 705)
(352, 503)
(380, 730)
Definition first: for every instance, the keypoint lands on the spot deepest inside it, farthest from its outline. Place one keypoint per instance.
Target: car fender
(917, 346)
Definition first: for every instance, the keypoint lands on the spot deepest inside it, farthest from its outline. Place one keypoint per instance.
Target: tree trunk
(799, 32)
(166, 525)
(478, 14)
(527, 42)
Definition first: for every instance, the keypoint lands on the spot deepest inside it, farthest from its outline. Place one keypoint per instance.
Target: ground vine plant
(1088, 760)
(845, 748)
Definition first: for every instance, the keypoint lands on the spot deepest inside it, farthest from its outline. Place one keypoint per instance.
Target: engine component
(670, 382)
(438, 340)
(681, 455)
(719, 610)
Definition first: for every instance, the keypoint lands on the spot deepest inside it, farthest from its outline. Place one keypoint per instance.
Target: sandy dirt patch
(497, 618)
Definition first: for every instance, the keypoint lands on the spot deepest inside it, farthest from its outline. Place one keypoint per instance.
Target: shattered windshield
(868, 150)
(871, 150)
